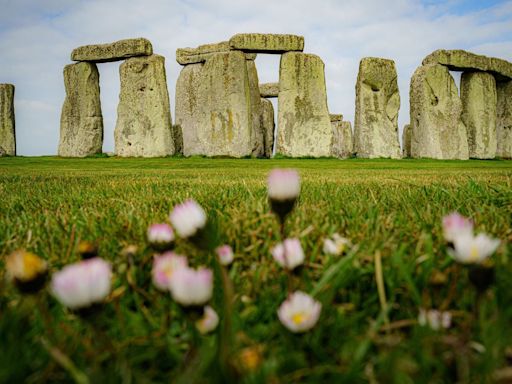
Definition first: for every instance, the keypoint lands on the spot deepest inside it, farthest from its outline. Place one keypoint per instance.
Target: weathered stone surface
(2, 152)
(377, 105)
(437, 130)
(81, 122)
(213, 107)
(342, 145)
(268, 43)
(143, 127)
(119, 50)
(406, 141)
(257, 129)
(304, 126)
(200, 54)
(177, 135)
(504, 120)
(459, 60)
(335, 117)
(478, 95)
(7, 123)
(267, 124)
(269, 90)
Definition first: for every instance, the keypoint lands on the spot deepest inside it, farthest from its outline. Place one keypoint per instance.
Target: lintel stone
(266, 43)
(119, 50)
(269, 90)
(460, 60)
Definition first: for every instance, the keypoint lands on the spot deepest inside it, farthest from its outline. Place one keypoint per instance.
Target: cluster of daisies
(471, 251)
(87, 283)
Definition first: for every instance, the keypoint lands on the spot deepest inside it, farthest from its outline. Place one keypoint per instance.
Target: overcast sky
(37, 36)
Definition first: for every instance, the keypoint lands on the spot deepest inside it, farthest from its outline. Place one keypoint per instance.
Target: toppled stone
(335, 117)
(7, 121)
(267, 43)
(504, 120)
(143, 127)
(342, 145)
(213, 107)
(81, 122)
(257, 129)
(267, 125)
(200, 54)
(119, 50)
(303, 117)
(437, 130)
(377, 105)
(406, 141)
(269, 90)
(460, 60)
(478, 95)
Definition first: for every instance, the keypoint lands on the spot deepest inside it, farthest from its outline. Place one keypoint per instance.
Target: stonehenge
(7, 124)
(221, 108)
(437, 130)
(81, 122)
(144, 126)
(342, 144)
(479, 99)
(377, 106)
(475, 124)
(304, 126)
(504, 119)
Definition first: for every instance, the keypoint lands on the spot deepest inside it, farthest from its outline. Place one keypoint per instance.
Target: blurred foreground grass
(388, 208)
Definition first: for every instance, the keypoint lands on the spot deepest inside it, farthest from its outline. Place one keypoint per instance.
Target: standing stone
(504, 120)
(478, 95)
(406, 141)
(377, 105)
(304, 127)
(342, 145)
(267, 125)
(177, 135)
(437, 130)
(81, 122)
(213, 107)
(119, 50)
(7, 124)
(257, 131)
(143, 127)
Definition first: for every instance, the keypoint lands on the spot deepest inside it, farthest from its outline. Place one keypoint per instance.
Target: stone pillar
(7, 123)
(406, 141)
(504, 120)
(257, 131)
(377, 105)
(437, 130)
(143, 127)
(267, 125)
(213, 107)
(304, 127)
(342, 146)
(478, 95)
(81, 122)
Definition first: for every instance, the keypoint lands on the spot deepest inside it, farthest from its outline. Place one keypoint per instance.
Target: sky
(37, 37)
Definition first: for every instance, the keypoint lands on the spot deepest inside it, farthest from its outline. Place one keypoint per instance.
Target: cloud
(36, 39)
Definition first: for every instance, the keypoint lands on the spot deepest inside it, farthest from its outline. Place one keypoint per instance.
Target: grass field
(391, 211)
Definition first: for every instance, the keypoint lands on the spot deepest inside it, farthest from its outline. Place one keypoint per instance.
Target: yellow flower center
(473, 254)
(298, 318)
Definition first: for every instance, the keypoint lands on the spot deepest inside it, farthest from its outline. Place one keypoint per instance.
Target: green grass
(391, 208)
